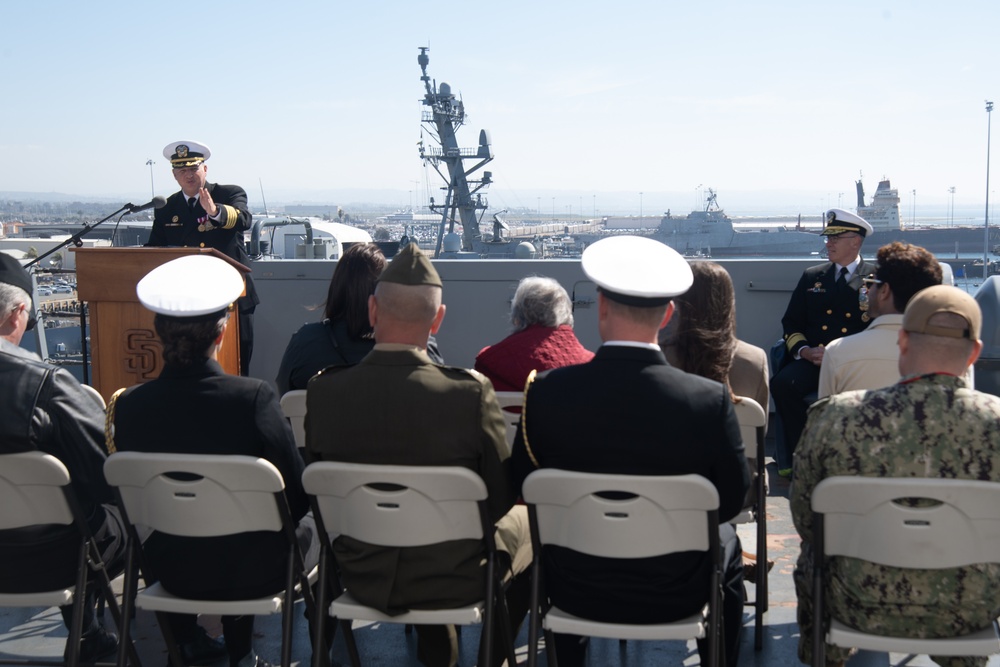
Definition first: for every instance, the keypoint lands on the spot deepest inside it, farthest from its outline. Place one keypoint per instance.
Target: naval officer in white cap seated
(629, 412)
(207, 215)
(823, 307)
(194, 407)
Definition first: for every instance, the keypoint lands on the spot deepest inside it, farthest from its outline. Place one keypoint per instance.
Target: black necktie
(192, 202)
(842, 279)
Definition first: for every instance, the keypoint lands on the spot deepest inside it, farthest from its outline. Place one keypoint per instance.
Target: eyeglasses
(186, 170)
(31, 317)
(867, 284)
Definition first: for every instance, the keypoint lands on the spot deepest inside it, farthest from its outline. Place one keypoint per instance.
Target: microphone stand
(76, 238)
(77, 242)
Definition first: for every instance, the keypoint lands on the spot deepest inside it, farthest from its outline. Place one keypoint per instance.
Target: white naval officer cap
(839, 221)
(637, 271)
(190, 286)
(186, 153)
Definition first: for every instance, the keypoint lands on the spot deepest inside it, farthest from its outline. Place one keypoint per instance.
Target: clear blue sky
(580, 97)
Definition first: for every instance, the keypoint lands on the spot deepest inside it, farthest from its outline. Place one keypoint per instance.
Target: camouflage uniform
(930, 426)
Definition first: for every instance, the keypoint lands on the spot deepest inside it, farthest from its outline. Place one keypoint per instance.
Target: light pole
(840, 196)
(595, 206)
(913, 210)
(152, 190)
(951, 214)
(539, 206)
(553, 208)
(640, 208)
(986, 243)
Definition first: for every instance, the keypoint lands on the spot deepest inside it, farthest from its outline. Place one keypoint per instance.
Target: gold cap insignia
(182, 150)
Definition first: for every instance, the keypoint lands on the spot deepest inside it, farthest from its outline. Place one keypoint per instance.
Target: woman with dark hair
(702, 341)
(344, 336)
(701, 337)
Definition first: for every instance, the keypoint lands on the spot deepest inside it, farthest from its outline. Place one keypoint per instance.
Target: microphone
(155, 202)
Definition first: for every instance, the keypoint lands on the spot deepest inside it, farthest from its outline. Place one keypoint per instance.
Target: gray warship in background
(711, 233)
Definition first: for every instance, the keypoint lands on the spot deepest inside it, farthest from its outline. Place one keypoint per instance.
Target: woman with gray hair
(542, 318)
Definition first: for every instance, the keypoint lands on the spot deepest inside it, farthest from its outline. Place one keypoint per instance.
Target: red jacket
(508, 363)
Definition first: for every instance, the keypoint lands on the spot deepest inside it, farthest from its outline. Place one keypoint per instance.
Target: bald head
(405, 313)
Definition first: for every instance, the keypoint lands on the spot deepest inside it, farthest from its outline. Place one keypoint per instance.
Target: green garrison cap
(411, 267)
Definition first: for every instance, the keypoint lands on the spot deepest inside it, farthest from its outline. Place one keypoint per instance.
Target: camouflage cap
(411, 267)
(12, 273)
(942, 299)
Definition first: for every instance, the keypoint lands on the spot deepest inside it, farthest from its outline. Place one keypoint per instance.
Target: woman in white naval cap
(194, 407)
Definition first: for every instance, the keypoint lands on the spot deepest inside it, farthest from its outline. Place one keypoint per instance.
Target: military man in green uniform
(930, 424)
(399, 407)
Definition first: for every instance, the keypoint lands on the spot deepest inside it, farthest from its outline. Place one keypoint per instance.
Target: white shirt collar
(632, 343)
(851, 268)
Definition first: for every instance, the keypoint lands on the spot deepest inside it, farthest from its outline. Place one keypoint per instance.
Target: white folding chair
(35, 490)
(510, 404)
(753, 423)
(96, 395)
(203, 495)
(858, 517)
(293, 404)
(407, 506)
(659, 516)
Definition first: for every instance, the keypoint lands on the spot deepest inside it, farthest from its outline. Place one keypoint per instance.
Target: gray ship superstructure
(883, 215)
(711, 233)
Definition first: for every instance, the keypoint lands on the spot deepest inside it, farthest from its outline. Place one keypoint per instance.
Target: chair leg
(126, 648)
(352, 646)
(321, 651)
(550, 649)
(173, 648)
(76, 622)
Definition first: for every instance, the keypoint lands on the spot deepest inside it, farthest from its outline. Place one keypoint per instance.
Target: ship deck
(40, 634)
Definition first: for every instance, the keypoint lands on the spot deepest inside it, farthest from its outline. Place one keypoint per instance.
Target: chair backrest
(401, 506)
(31, 490)
(662, 515)
(510, 404)
(197, 495)
(293, 404)
(862, 520)
(96, 395)
(752, 419)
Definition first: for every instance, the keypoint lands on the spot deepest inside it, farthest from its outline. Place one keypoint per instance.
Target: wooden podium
(123, 343)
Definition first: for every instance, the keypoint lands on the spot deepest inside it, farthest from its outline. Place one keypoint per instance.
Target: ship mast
(464, 197)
